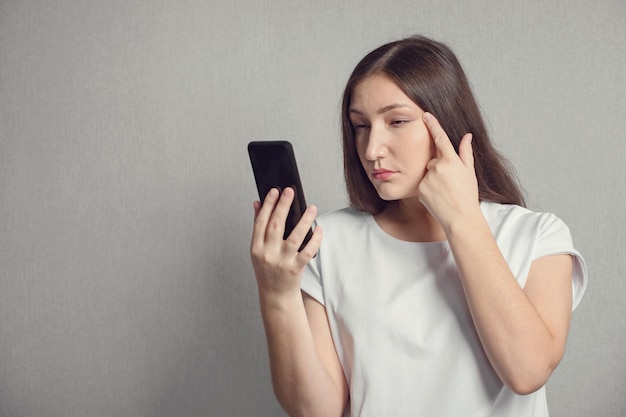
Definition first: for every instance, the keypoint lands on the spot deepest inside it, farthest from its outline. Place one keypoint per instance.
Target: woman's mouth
(382, 174)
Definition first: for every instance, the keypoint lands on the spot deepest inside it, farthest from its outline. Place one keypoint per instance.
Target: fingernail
(427, 116)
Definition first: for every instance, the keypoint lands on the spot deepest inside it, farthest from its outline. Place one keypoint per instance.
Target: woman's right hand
(277, 264)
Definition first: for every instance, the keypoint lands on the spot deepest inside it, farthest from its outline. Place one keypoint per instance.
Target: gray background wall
(126, 193)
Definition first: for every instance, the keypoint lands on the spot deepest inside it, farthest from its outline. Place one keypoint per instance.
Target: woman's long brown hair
(429, 73)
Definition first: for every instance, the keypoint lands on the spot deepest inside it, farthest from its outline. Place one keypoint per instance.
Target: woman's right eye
(358, 126)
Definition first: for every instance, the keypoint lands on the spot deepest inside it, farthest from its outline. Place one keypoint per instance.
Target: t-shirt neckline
(405, 244)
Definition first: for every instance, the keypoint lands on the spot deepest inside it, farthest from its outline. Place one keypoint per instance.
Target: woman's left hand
(449, 190)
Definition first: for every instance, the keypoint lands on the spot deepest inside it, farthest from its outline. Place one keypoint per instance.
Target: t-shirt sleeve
(555, 238)
(312, 280)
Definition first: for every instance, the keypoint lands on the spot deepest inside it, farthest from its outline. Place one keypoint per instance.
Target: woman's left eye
(399, 122)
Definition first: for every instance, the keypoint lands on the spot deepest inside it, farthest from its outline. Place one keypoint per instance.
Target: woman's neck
(410, 222)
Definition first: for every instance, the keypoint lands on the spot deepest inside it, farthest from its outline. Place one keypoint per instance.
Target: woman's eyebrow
(391, 107)
(382, 110)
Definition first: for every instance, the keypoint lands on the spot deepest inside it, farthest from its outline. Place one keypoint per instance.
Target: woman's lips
(382, 174)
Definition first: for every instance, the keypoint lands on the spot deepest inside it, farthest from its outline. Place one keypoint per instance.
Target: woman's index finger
(440, 137)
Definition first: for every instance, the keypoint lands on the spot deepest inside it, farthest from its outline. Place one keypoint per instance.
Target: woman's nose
(376, 144)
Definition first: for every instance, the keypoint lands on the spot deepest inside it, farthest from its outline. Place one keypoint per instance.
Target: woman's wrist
(469, 222)
(279, 301)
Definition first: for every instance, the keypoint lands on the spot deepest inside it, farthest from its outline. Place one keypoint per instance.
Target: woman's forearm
(302, 384)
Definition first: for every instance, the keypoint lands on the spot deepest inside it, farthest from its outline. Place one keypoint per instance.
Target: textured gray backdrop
(126, 193)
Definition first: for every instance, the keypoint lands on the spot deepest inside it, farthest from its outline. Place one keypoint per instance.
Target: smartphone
(274, 166)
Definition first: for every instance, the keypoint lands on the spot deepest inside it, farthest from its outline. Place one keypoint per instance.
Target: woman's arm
(306, 377)
(325, 347)
(522, 330)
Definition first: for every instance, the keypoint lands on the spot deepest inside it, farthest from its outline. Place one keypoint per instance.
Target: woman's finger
(311, 248)
(275, 229)
(299, 232)
(466, 152)
(431, 164)
(442, 141)
(262, 216)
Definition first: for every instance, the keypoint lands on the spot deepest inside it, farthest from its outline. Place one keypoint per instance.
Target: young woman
(436, 293)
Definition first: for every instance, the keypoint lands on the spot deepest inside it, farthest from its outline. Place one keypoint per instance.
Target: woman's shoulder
(344, 222)
(340, 216)
(516, 218)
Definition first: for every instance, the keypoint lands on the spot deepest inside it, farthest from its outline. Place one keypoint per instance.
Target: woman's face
(392, 140)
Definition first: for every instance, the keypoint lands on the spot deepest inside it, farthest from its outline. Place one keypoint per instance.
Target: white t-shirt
(400, 321)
